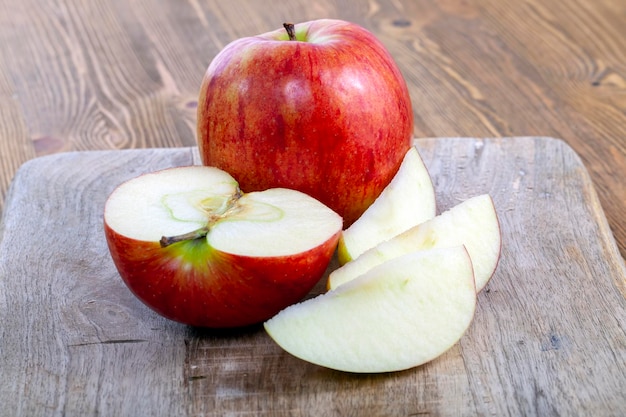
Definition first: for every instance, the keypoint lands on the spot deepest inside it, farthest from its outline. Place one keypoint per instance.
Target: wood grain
(548, 338)
(113, 74)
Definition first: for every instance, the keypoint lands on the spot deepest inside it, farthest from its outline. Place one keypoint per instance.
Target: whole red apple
(320, 107)
(196, 249)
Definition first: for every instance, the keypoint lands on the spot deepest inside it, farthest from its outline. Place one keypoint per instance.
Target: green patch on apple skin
(301, 33)
(195, 253)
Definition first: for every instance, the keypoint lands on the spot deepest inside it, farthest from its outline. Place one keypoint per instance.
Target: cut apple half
(400, 314)
(196, 249)
(408, 200)
(472, 223)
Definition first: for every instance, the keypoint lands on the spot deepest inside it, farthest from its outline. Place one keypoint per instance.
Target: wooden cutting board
(548, 339)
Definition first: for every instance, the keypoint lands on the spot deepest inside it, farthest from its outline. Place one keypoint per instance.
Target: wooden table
(117, 75)
(83, 75)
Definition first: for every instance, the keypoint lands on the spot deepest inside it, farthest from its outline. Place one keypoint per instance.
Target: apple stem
(196, 234)
(291, 31)
(231, 207)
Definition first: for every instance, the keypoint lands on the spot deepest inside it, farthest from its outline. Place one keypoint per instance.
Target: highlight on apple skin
(400, 314)
(327, 112)
(196, 249)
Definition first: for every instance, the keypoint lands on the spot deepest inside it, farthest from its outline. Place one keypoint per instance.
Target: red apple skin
(330, 116)
(221, 290)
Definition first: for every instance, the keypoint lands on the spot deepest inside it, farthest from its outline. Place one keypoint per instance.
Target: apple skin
(328, 114)
(230, 291)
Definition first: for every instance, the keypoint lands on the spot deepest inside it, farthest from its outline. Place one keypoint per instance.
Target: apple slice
(408, 200)
(472, 223)
(401, 314)
(193, 247)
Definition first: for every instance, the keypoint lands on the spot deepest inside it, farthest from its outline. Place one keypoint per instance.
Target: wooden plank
(74, 341)
(548, 337)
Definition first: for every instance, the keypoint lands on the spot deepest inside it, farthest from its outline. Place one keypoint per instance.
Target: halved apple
(408, 200)
(401, 314)
(472, 223)
(193, 247)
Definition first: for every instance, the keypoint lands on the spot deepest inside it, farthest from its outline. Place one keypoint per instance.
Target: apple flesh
(472, 223)
(194, 248)
(327, 113)
(400, 314)
(408, 200)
